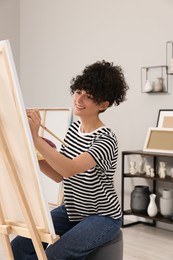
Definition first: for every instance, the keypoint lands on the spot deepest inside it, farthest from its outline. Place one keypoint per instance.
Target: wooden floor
(142, 242)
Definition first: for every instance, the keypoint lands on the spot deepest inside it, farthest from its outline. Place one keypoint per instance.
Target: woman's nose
(81, 97)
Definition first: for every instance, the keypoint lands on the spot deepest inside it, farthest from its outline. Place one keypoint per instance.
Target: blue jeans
(77, 239)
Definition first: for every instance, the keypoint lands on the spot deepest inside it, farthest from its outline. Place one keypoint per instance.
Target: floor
(142, 242)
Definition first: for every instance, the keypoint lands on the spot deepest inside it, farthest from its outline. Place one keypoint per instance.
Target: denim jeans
(77, 239)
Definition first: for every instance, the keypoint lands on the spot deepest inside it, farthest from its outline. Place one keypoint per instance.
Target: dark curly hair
(102, 80)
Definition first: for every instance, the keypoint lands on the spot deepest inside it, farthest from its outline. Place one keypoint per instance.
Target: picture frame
(159, 140)
(165, 118)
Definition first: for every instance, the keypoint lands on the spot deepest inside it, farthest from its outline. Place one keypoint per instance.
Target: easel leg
(5, 237)
(22, 200)
(7, 247)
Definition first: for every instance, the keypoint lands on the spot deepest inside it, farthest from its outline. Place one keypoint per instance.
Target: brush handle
(56, 137)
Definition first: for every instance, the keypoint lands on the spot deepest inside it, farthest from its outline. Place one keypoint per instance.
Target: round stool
(112, 250)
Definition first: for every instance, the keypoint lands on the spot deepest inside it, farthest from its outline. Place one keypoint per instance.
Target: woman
(91, 214)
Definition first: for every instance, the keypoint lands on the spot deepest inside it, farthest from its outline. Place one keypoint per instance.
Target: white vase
(167, 194)
(152, 209)
(166, 207)
(166, 203)
(158, 85)
(148, 87)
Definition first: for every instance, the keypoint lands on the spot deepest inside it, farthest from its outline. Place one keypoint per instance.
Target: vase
(148, 87)
(158, 85)
(166, 203)
(167, 193)
(152, 209)
(140, 198)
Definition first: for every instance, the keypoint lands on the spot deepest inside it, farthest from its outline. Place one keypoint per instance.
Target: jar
(166, 203)
(158, 85)
(140, 198)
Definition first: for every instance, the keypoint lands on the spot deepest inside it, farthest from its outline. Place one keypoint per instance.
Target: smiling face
(85, 106)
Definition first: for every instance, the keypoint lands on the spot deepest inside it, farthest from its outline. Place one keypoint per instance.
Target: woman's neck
(90, 126)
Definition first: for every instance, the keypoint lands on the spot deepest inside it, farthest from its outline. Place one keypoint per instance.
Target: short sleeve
(104, 150)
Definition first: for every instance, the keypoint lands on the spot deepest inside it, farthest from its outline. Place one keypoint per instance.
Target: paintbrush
(47, 130)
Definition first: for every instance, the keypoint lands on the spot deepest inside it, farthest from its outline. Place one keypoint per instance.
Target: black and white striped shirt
(92, 192)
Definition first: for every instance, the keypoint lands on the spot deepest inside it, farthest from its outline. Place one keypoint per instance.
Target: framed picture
(159, 140)
(165, 118)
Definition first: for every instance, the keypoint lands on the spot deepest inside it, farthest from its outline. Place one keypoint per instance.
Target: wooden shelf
(159, 217)
(144, 176)
(154, 183)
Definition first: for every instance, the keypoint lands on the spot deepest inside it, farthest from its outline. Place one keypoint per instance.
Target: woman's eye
(89, 97)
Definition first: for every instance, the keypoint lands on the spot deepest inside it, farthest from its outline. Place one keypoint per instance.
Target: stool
(112, 250)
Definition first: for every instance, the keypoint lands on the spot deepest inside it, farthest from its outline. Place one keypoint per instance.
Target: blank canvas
(16, 131)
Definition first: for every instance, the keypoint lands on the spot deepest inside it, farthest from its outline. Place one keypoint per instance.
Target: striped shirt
(91, 192)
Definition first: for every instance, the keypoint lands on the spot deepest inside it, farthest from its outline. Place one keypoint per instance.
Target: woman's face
(84, 105)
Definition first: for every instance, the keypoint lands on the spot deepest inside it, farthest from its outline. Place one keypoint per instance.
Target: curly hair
(102, 80)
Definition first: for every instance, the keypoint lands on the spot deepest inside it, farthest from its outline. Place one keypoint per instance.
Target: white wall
(60, 37)
(9, 25)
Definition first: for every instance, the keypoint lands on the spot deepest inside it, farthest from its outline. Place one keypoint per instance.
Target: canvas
(23, 203)
(159, 140)
(57, 120)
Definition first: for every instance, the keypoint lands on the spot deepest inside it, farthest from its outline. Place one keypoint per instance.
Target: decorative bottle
(152, 209)
(140, 198)
(148, 87)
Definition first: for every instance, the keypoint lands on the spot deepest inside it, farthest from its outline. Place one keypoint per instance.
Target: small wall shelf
(169, 57)
(154, 79)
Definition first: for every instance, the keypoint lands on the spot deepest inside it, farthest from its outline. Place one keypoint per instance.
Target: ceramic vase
(152, 209)
(140, 198)
(166, 203)
(158, 85)
(148, 87)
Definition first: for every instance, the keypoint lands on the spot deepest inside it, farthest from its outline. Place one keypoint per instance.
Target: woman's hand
(34, 120)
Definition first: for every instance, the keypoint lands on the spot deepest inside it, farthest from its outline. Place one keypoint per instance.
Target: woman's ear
(104, 105)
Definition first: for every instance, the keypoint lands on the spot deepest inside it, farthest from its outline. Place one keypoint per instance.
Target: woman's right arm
(49, 171)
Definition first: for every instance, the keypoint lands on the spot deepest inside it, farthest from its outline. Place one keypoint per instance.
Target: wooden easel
(7, 227)
(23, 210)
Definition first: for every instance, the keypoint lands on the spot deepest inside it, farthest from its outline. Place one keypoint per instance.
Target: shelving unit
(154, 181)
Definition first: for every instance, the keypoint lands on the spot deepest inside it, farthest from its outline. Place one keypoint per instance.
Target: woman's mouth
(79, 106)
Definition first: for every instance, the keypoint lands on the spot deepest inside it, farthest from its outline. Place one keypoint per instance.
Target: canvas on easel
(24, 209)
(57, 120)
